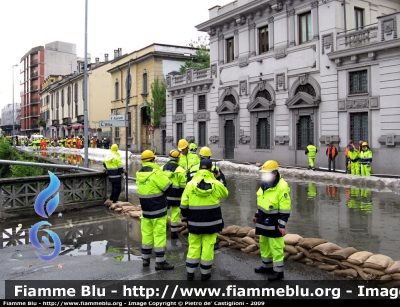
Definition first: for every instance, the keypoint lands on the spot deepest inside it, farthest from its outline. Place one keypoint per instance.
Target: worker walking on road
(200, 207)
(187, 159)
(311, 152)
(152, 186)
(273, 212)
(177, 175)
(365, 159)
(115, 171)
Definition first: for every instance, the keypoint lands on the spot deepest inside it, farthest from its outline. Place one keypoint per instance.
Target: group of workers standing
(189, 188)
(358, 160)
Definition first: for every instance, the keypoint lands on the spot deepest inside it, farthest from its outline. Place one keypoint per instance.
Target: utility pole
(128, 86)
(85, 102)
(13, 122)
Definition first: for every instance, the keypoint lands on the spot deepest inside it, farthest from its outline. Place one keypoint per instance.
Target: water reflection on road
(346, 216)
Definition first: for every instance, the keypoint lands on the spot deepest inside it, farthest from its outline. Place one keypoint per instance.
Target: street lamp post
(13, 130)
(85, 102)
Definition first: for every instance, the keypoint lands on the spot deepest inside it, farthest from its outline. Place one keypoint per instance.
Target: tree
(157, 106)
(202, 58)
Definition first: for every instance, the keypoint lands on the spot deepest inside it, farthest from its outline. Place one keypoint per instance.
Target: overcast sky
(112, 24)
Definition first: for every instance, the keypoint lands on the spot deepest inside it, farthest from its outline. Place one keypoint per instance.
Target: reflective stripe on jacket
(177, 175)
(152, 185)
(273, 208)
(188, 160)
(365, 156)
(200, 203)
(113, 162)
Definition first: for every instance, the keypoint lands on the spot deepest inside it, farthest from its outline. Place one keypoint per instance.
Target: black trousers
(333, 162)
(115, 191)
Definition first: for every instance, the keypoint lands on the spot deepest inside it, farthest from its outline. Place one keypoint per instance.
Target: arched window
(230, 98)
(306, 88)
(264, 94)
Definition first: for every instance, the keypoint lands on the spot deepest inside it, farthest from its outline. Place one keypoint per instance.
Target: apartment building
(286, 73)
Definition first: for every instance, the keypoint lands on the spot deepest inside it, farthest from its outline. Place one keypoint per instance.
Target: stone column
(291, 19)
(314, 16)
(252, 39)
(236, 42)
(271, 33)
(221, 48)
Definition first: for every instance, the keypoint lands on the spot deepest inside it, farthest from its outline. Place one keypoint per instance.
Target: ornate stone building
(286, 73)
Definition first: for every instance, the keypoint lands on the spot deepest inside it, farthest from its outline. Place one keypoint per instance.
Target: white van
(35, 137)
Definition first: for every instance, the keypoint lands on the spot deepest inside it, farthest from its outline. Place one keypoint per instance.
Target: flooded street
(347, 216)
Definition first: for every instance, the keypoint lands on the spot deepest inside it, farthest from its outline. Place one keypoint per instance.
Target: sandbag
(395, 276)
(135, 214)
(180, 223)
(118, 209)
(250, 248)
(108, 202)
(223, 243)
(248, 241)
(305, 260)
(296, 257)
(309, 243)
(393, 267)
(252, 233)
(325, 248)
(385, 277)
(378, 261)
(303, 250)
(225, 238)
(230, 230)
(359, 257)
(237, 246)
(373, 271)
(286, 255)
(348, 273)
(328, 267)
(181, 228)
(123, 203)
(242, 232)
(291, 249)
(343, 253)
(291, 239)
(113, 206)
(185, 232)
(363, 275)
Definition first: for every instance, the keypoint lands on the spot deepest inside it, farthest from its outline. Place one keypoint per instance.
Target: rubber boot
(264, 270)
(276, 276)
(164, 266)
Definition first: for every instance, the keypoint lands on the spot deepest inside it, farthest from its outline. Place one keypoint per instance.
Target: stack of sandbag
(124, 208)
(236, 237)
(346, 262)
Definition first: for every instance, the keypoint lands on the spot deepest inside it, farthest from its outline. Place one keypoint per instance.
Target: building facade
(56, 58)
(7, 114)
(287, 73)
(145, 66)
(62, 104)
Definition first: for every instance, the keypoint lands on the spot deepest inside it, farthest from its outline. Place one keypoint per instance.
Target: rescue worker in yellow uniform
(205, 153)
(177, 175)
(366, 201)
(311, 191)
(193, 148)
(311, 152)
(273, 212)
(187, 159)
(115, 171)
(200, 207)
(152, 186)
(354, 157)
(365, 159)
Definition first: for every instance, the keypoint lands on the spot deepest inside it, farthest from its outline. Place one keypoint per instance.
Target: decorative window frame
(368, 93)
(266, 110)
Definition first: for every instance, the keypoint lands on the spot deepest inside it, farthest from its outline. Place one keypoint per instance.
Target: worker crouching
(200, 207)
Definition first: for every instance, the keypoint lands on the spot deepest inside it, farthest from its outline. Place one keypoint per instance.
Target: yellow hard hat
(174, 153)
(147, 155)
(114, 147)
(364, 144)
(269, 166)
(205, 152)
(182, 144)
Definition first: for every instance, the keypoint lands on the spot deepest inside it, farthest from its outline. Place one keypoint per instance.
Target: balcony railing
(32, 114)
(34, 88)
(34, 75)
(34, 126)
(66, 121)
(55, 122)
(202, 74)
(80, 119)
(34, 100)
(190, 76)
(358, 37)
(34, 62)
